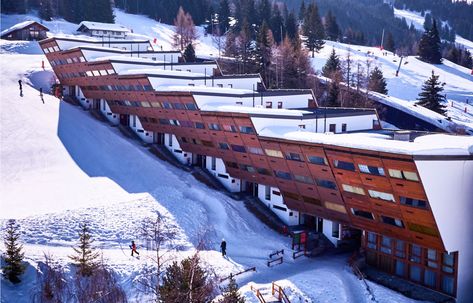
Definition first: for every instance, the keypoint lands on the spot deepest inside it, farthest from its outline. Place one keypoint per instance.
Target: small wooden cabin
(27, 30)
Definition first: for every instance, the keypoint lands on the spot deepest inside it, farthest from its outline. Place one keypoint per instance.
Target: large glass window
(326, 183)
(381, 195)
(335, 207)
(230, 128)
(282, 174)
(255, 150)
(362, 213)
(238, 148)
(386, 244)
(247, 129)
(293, 156)
(413, 202)
(373, 170)
(430, 278)
(431, 258)
(304, 179)
(344, 165)
(214, 126)
(224, 146)
(273, 153)
(353, 189)
(400, 268)
(317, 160)
(415, 253)
(415, 273)
(402, 174)
(400, 249)
(372, 241)
(448, 262)
(448, 284)
(392, 221)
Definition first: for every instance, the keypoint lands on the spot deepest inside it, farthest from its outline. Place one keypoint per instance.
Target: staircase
(273, 294)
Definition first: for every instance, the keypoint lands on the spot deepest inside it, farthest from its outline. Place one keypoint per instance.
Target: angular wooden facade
(380, 193)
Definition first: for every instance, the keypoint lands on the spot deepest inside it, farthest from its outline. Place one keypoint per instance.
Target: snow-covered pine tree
(231, 294)
(313, 29)
(86, 258)
(430, 97)
(377, 83)
(332, 65)
(13, 256)
(189, 53)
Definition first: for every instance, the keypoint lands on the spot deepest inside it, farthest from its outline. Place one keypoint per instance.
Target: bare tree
(185, 32)
(52, 285)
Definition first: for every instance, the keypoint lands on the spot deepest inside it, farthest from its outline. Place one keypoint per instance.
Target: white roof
(203, 89)
(220, 107)
(17, 26)
(160, 72)
(104, 26)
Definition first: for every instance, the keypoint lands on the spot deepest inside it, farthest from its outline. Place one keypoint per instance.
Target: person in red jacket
(133, 248)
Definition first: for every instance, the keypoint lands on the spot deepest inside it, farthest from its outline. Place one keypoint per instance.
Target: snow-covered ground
(60, 167)
(413, 73)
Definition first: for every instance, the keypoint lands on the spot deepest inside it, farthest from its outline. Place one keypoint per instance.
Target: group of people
(223, 248)
(20, 84)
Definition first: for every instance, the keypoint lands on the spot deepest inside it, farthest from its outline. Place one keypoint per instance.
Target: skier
(223, 248)
(19, 83)
(133, 248)
(41, 94)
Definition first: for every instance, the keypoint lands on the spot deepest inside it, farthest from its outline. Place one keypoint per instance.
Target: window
(214, 163)
(263, 171)
(145, 104)
(372, 240)
(269, 104)
(422, 229)
(448, 262)
(290, 195)
(274, 153)
(267, 192)
(317, 160)
(380, 195)
(282, 174)
(335, 207)
(447, 284)
(164, 121)
(386, 244)
(400, 249)
(362, 213)
(214, 126)
(238, 148)
(431, 260)
(223, 145)
(247, 129)
(373, 170)
(170, 140)
(279, 104)
(156, 104)
(332, 128)
(400, 268)
(344, 127)
(199, 125)
(415, 273)
(294, 157)
(255, 150)
(401, 174)
(413, 202)
(326, 183)
(415, 253)
(230, 128)
(344, 165)
(167, 105)
(191, 106)
(148, 88)
(353, 189)
(392, 221)
(219, 85)
(174, 122)
(178, 106)
(312, 201)
(304, 179)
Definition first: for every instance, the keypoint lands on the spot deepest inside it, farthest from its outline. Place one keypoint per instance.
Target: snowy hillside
(413, 73)
(61, 167)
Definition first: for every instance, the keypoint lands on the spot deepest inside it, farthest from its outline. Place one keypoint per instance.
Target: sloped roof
(19, 26)
(103, 26)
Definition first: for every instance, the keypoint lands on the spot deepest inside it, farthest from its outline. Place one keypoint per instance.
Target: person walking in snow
(223, 248)
(20, 84)
(133, 248)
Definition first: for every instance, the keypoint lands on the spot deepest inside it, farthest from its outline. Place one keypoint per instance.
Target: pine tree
(185, 32)
(291, 26)
(264, 44)
(332, 30)
(313, 29)
(224, 16)
(430, 97)
(427, 22)
(332, 65)
(264, 11)
(46, 10)
(186, 282)
(86, 257)
(333, 91)
(189, 53)
(276, 24)
(377, 83)
(231, 294)
(13, 256)
(302, 11)
(429, 46)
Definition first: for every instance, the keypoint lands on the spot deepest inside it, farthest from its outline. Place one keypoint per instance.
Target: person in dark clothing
(223, 248)
(41, 94)
(133, 248)
(19, 83)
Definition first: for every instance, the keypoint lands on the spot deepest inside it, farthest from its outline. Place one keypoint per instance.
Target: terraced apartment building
(409, 194)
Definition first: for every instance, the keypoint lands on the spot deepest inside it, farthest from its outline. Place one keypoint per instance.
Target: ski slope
(61, 167)
(413, 73)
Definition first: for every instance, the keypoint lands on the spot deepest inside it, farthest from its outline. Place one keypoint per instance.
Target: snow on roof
(125, 59)
(103, 26)
(435, 144)
(160, 72)
(203, 89)
(220, 107)
(83, 38)
(17, 27)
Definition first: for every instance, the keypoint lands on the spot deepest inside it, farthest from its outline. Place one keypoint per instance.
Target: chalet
(27, 30)
(99, 29)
